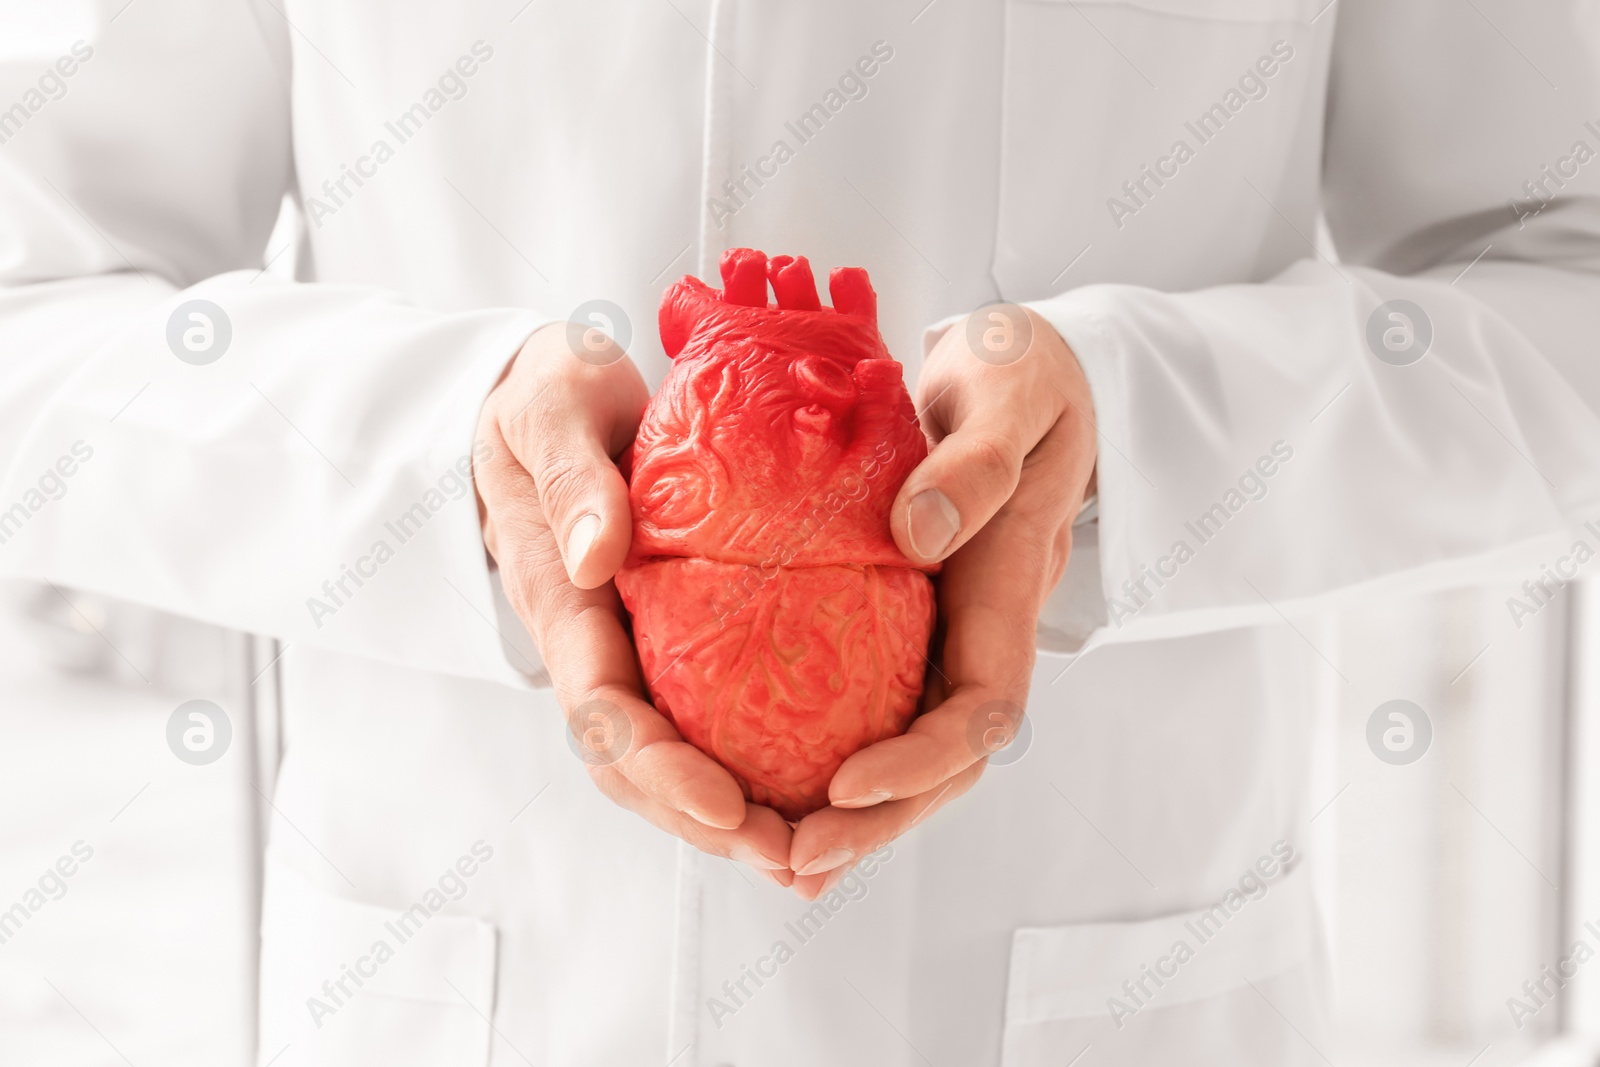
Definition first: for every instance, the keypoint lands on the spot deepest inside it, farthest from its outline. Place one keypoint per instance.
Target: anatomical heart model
(777, 624)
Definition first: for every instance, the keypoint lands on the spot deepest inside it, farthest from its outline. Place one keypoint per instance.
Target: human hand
(555, 516)
(1009, 415)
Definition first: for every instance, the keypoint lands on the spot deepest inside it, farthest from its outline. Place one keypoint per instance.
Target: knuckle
(574, 352)
(940, 365)
(1037, 513)
(934, 386)
(526, 406)
(1042, 503)
(700, 837)
(614, 787)
(1060, 552)
(994, 459)
(550, 598)
(565, 478)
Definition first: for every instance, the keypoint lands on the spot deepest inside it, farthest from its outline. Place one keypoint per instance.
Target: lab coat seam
(999, 162)
(683, 997)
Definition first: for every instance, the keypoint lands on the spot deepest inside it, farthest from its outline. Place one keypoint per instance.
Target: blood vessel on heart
(777, 624)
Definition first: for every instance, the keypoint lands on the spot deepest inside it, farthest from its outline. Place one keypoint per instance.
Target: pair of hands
(1012, 458)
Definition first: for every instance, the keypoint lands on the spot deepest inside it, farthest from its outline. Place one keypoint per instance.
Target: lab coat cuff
(1076, 611)
(508, 652)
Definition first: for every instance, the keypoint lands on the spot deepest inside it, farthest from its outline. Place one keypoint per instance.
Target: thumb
(967, 477)
(997, 412)
(578, 416)
(585, 501)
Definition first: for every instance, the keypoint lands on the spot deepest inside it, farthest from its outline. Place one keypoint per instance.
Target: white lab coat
(579, 152)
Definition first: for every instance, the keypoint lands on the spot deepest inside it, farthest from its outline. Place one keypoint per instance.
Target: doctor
(1269, 428)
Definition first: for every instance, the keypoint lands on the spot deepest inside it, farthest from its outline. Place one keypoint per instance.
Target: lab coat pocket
(1232, 986)
(1097, 99)
(345, 984)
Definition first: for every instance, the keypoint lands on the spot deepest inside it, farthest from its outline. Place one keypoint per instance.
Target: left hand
(1012, 460)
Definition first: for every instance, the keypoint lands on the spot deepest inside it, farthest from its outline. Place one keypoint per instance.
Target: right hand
(555, 515)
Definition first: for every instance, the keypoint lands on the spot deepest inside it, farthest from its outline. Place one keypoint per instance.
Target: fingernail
(584, 531)
(832, 882)
(705, 820)
(784, 877)
(932, 523)
(865, 800)
(827, 861)
(748, 855)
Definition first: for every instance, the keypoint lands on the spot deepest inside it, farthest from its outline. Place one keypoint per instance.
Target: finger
(503, 489)
(761, 841)
(614, 728)
(953, 492)
(587, 651)
(677, 773)
(940, 744)
(814, 886)
(985, 419)
(581, 411)
(811, 886)
(583, 494)
(1010, 565)
(835, 839)
(585, 645)
(585, 410)
(989, 595)
(973, 468)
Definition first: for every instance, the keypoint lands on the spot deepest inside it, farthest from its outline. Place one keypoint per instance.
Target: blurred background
(1450, 881)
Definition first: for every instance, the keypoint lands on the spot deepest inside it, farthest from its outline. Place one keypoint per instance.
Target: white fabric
(980, 163)
(425, 982)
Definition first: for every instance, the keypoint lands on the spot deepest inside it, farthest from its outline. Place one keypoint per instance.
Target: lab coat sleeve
(312, 482)
(1267, 449)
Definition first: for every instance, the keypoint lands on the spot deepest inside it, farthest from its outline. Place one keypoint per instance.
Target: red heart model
(777, 624)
